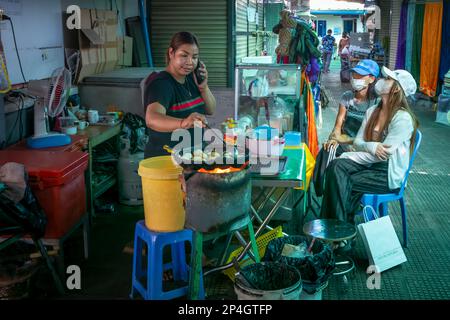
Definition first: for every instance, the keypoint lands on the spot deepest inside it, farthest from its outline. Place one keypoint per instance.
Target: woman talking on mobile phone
(175, 99)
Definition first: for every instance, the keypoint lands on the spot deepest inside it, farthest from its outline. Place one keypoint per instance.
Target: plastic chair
(152, 271)
(379, 201)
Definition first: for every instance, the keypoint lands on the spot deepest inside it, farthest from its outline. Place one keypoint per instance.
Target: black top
(355, 111)
(179, 100)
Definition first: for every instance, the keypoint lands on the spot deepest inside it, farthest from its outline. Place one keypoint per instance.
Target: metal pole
(237, 93)
(143, 15)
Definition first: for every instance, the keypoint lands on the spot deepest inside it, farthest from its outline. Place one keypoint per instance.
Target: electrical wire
(15, 44)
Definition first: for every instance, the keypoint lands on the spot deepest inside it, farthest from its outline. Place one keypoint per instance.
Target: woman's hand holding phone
(201, 76)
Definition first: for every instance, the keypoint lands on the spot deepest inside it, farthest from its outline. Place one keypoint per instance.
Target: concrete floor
(107, 273)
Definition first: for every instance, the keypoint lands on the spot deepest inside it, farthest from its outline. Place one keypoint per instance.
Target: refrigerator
(119, 88)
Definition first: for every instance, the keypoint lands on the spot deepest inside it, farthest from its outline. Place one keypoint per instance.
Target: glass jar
(277, 120)
(246, 123)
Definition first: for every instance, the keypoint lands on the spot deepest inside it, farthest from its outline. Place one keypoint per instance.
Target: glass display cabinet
(269, 94)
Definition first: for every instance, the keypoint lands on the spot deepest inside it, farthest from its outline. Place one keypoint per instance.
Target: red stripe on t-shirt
(187, 104)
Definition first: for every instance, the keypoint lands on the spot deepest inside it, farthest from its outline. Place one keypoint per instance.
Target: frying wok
(238, 159)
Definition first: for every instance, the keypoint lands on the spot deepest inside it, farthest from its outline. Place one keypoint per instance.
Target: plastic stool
(153, 272)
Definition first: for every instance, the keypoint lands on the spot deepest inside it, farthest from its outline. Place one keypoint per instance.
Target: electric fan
(51, 97)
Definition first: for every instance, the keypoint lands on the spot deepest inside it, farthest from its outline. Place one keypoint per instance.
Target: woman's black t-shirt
(179, 100)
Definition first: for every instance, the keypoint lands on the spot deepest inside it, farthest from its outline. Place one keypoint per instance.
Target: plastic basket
(262, 242)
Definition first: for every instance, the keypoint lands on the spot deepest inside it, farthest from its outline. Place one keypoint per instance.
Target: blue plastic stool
(152, 273)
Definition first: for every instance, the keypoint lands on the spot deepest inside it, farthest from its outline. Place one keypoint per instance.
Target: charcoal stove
(218, 201)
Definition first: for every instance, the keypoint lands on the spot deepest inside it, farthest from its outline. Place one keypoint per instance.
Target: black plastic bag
(316, 268)
(135, 130)
(27, 213)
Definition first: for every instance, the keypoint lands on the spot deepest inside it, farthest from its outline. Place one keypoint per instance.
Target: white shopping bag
(382, 245)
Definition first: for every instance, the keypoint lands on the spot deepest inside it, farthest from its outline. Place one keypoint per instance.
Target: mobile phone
(199, 77)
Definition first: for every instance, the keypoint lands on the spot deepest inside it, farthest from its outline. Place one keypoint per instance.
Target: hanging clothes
(303, 105)
(431, 48)
(313, 142)
(409, 35)
(445, 46)
(417, 41)
(401, 44)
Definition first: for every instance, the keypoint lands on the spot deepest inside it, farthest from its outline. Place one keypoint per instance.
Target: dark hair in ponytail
(178, 39)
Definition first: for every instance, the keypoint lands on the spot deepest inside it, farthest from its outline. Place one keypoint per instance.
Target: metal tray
(255, 168)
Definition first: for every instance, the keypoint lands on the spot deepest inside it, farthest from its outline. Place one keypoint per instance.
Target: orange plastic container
(57, 180)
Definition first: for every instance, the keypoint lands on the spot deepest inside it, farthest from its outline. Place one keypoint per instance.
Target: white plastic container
(288, 278)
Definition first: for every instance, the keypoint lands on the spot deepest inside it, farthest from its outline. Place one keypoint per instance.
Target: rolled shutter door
(206, 19)
(241, 30)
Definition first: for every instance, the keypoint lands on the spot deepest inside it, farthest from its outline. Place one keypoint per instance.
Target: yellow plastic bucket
(163, 193)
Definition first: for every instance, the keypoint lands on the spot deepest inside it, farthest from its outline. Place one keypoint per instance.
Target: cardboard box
(96, 41)
(125, 52)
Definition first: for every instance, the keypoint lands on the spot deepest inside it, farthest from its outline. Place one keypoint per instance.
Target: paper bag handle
(365, 213)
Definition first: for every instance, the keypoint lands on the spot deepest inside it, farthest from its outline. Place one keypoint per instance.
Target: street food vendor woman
(175, 98)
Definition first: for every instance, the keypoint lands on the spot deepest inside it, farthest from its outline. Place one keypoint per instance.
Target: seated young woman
(383, 147)
(354, 104)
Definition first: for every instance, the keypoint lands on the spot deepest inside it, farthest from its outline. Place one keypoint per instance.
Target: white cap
(404, 78)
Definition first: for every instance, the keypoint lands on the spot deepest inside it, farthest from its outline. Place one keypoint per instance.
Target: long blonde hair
(397, 101)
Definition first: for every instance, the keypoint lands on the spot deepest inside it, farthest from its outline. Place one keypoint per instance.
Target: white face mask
(358, 84)
(382, 87)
